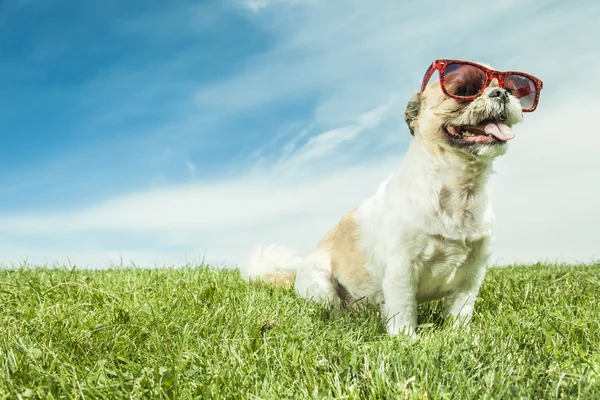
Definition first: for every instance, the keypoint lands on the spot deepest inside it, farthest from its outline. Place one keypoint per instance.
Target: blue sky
(161, 132)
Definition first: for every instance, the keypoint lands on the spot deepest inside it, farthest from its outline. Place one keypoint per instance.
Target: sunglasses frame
(441, 64)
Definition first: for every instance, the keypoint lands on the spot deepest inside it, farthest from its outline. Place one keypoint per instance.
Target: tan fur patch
(347, 260)
(438, 108)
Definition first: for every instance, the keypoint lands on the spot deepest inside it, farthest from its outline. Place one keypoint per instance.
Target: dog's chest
(442, 266)
(461, 212)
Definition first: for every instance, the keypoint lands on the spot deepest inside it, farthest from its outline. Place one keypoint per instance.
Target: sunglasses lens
(463, 80)
(522, 88)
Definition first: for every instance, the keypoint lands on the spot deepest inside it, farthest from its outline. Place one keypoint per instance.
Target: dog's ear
(412, 111)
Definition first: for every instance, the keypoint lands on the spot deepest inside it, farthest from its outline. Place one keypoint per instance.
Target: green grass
(199, 332)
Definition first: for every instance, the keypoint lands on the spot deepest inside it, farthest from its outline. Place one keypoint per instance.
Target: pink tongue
(496, 129)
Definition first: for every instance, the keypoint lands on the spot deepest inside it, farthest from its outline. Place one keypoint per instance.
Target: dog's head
(480, 126)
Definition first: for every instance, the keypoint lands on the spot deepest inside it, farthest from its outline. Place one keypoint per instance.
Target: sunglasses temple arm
(427, 76)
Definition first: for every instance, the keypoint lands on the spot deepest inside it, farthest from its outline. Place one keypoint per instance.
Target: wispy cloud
(331, 146)
(191, 168)
(261, 5)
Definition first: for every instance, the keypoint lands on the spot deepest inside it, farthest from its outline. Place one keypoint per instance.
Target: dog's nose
(498, 92)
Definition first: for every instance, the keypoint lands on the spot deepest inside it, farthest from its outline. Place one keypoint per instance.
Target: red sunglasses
(465, 80)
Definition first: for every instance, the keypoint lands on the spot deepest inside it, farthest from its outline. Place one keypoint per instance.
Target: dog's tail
(273, 264)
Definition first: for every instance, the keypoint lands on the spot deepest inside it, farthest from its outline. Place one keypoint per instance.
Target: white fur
(263, 260)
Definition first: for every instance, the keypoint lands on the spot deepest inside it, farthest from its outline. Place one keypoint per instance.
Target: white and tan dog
(426, 233)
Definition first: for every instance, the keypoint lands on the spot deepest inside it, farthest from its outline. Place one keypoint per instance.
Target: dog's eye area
(464, 80)
(468, 89)
(522, 88)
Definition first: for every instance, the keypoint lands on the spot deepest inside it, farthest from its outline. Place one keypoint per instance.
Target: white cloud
(355, 58)
(222, 220)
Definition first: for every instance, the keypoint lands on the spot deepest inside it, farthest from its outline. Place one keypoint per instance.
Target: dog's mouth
(487, 132)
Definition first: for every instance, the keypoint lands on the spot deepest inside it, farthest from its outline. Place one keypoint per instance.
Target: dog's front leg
(399, 292)
(460, 304)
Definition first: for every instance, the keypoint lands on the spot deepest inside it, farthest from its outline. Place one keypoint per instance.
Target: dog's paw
(403, 329)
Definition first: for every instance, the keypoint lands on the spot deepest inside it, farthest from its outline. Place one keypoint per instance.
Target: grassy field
(203, 333)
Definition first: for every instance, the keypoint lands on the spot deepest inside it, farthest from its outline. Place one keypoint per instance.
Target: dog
(426, 234)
